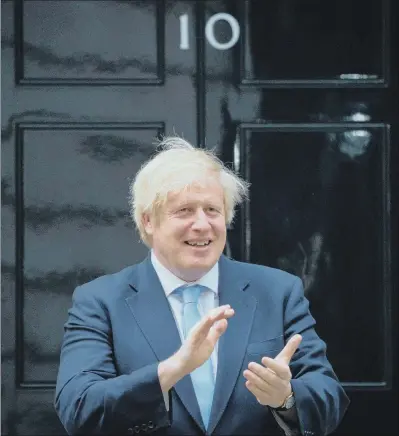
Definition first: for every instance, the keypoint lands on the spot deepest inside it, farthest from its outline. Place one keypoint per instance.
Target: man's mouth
(198, 243)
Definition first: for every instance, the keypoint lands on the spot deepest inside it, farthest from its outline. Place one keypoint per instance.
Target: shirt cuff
(166, 400)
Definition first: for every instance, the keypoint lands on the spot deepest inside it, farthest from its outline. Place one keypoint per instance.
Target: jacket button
(137, 429)
(144, 427)
(150, 424)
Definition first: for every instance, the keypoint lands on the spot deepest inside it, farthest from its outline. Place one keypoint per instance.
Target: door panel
(304, 111)
(77, 42)
(304, 105)
(75, 233)
(88, 86)
(315, 44)
(316, 210)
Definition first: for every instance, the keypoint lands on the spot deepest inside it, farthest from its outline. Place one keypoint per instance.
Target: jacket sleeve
(321, 401)
(91, 398)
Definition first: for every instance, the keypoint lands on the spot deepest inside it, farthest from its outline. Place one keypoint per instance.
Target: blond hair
(177, 166)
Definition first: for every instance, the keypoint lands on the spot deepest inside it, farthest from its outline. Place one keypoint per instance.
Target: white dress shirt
(208, 298)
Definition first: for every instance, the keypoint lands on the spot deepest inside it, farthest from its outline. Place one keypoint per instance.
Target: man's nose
(201, 220)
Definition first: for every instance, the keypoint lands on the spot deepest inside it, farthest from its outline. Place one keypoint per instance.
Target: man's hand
(271, 383)
(201, 341)
(196, 349)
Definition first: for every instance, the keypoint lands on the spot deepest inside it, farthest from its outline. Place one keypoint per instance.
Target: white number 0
(209, 31)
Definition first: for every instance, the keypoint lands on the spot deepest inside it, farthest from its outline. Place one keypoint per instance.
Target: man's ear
(148, 224)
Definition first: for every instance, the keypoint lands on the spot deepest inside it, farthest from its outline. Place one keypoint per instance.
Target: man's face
(190, 233)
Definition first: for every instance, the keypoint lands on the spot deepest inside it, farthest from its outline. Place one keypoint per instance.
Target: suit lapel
(232, 345)
(153, 314)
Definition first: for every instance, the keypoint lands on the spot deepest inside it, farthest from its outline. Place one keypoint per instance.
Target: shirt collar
(170, 282)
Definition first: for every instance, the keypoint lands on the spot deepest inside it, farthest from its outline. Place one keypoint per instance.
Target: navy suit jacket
(121, 326)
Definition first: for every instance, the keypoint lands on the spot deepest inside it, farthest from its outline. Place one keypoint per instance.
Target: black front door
(300, 97)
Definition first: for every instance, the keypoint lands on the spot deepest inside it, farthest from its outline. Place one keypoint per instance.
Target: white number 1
(184, 44)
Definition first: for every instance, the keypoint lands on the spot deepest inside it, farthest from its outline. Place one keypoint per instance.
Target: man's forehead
(210, 191)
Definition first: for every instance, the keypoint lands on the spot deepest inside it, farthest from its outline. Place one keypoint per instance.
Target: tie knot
(191, 293)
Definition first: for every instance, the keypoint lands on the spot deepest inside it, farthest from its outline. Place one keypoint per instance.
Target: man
(189, 341)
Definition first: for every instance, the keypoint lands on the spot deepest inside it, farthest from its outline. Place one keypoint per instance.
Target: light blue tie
(202, 377)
